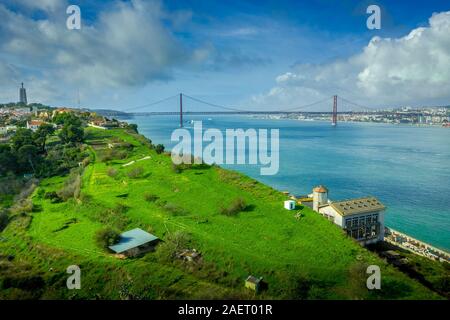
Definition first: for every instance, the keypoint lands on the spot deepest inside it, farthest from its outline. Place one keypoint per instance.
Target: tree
(27, 157)
(21, 138)
(66, 119)
(133, 127)
(7, 160)
(159, 148)
(106, 237)
(41, 134)
(71, 133)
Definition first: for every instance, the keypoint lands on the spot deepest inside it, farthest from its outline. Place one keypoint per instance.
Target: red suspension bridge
(213, 108)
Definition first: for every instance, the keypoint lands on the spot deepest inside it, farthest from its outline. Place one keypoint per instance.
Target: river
(405, 167)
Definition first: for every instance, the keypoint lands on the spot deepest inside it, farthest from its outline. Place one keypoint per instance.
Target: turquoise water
(406, 167)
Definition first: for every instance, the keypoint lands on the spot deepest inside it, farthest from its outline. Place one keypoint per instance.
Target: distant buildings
(34, 124)
(362, 218)
(23, 95)
(439, 116)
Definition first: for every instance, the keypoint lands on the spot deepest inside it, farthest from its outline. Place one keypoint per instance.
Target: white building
(289, 204)
(5, 130)
(34, 124)
(362, 218)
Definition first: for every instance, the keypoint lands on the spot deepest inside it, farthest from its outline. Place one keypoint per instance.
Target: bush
(159, 148)
(72, 187)
(113, 154)
(136, 172)
(150, 197)
(53, 196)
(27, 190)
(172, 244)
(238, 205)
(3, 219)
(115, 217)
(106, 237)
(175, 209)
(112, 172)
(23, 206)
(86, 161)
(177, 168)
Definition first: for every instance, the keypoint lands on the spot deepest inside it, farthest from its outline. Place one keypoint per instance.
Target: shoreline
(420, 125)
(434, 248)
(414, 245)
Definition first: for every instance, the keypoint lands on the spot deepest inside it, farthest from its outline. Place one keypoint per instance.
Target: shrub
(113, 154)
(115, 217)
(112, 172)
(23, 206)
(3, 219)
(175, 209)
(24, 282)
(238, 205)
(106, 237)
(150, 197)
(26, 191)
(177, 168)
(121, 208)
(173, 243)
(40, 193)
(135, 172)
(72, 187)
(86, 161)
(53, 196)
(159, 148)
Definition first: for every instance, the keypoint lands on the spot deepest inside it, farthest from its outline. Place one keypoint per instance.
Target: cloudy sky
(262, 55)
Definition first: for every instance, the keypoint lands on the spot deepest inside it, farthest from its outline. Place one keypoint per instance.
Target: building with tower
(362, 218)
(320, 197)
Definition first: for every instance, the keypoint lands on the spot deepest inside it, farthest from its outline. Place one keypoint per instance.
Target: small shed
(253, 283)
(289, 204)
(135, 242)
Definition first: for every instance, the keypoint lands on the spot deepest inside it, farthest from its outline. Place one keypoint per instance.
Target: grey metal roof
(356, 206)
(132, 239)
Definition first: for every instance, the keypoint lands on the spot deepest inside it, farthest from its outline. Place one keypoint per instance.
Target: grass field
(310, 258)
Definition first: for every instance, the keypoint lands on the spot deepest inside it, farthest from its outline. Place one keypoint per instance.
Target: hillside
(307, 258)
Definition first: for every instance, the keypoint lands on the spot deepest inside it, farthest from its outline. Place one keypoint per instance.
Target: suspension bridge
(177, 105)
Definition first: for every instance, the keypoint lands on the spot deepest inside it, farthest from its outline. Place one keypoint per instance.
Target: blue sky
(253, 54)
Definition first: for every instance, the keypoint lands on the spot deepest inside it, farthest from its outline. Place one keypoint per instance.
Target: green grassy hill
(310, 258)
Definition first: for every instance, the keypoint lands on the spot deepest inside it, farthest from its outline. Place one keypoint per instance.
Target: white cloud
(128, 45)
(412, 70)
(45, 5)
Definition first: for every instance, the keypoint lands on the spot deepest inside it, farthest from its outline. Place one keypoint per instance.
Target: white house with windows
(34, 124)
(362, 218)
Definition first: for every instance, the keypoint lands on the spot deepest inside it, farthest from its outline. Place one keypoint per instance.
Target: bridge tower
(334, 117)
(181, 110)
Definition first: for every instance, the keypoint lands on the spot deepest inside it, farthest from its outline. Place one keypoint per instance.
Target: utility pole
(181, 110)
(334, 117)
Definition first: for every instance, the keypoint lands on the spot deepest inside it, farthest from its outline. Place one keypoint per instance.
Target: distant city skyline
(260, 55)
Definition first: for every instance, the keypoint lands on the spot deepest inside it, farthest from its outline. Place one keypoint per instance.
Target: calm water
(406, 167)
